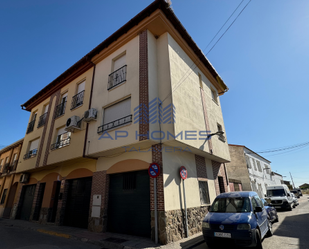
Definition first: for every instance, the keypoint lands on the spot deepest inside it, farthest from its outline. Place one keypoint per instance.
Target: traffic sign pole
(155, 209)
(154, 172)
(186, 215)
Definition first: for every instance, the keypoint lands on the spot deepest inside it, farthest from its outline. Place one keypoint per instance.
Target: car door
(261, 216)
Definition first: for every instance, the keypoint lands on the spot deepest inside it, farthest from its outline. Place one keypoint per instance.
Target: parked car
(280, 197)
(238, 218)
(271, 211)
(295, 200)
(299, 191)
(296, 193)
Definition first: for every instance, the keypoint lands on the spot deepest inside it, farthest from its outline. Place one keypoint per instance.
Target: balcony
(9, 168)
(77, 100)
(117, 77)
(60, 144)
(42, 120)
(30, 126)
(60, 109)
(114, 124)
(30, 154)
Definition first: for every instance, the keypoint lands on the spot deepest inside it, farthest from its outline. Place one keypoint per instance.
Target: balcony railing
(31, 153)
(77, 100)
(60, 144)
(42, 120)
(117, 77)
(114, 124)
(60, 109)
(6, 168)
(30, 126)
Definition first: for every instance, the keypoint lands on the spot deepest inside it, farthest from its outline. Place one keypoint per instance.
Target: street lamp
(219, 133)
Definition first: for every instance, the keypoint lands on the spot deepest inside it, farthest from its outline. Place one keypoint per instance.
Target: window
(3, 196)
(214, 95)
(267, 169)
(204, 192)
(33, 149)
(116, 115)
(259, 165)
(63, 139)
(231, 205)
(248, 162)
(119, 72)
(221, 184)
(77, 100)
(60, 109)
(32, 122)
(253, 161)
(259, 201)
(1, 164)
(42, 118)
(7, 160)
(221, 136)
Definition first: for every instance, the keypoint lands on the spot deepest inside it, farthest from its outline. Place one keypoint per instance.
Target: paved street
(291, 232)
(18, 238)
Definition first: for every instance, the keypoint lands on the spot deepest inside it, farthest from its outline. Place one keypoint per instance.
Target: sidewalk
(106, 240)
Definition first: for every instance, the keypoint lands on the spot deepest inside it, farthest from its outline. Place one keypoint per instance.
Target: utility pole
(292, 180)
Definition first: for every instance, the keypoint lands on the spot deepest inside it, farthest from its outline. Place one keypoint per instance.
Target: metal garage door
(78, 201)
(129, 203)
(27, 201)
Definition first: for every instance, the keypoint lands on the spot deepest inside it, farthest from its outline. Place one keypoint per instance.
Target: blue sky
(263, 59)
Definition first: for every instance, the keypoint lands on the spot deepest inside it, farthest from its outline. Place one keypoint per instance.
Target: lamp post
(219, 133)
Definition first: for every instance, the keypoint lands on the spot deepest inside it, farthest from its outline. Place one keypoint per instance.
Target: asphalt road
(291, 232)
(18, 238)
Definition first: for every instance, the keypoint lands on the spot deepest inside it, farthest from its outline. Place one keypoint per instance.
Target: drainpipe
(90, 100)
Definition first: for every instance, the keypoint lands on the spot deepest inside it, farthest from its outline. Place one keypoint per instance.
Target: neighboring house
(304, 186)
(250, 170)
(277, 178)
(288, 183)
(9, 180)
(87, 155)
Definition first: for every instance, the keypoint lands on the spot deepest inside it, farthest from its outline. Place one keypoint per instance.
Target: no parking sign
(154, 170)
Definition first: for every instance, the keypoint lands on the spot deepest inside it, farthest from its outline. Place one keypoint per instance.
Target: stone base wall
(175, 222)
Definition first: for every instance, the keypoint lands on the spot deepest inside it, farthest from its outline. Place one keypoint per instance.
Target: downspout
(90, 101)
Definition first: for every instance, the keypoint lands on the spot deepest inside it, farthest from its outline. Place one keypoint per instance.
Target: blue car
(271, 211)
(238, 218)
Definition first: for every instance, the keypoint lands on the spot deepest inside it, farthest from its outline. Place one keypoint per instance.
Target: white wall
(173, 190)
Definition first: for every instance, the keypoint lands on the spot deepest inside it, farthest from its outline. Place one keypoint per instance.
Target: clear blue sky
(263, 59)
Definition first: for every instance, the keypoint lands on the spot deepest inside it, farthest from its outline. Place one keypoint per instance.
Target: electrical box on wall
(96, 206)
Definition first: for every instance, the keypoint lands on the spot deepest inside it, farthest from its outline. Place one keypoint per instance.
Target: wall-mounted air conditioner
(72, 124)
(90, 115)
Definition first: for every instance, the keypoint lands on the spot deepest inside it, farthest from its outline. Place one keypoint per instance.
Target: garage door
(129, 204)
(78, 201)
(27, 201)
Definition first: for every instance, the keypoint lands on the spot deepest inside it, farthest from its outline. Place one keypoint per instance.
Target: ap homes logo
(154, 113)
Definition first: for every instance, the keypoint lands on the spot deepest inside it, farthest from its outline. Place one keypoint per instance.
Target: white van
(280, 197)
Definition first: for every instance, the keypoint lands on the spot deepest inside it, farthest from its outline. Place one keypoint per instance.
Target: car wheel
(290, 207)
(270, 229)
(258, 240)
(277, 219)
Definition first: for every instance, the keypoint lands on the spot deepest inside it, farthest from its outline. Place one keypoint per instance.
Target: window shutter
(117, 111)
(120, 62)
(34, 144)
(81, 87)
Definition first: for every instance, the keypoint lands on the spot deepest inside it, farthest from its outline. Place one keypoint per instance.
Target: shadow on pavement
(295, 226)
(192, 243)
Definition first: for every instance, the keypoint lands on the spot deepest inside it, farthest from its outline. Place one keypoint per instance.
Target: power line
(190, 68)
(285, 148)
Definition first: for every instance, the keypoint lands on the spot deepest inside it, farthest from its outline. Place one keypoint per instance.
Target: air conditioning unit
(72, 124)
(90, 115)
(24, 178)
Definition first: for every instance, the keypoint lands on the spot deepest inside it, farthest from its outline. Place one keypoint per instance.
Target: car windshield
(276, 192)
(231, 205)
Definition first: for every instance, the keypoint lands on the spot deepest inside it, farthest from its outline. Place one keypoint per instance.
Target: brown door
(10, 201)
(52, 211)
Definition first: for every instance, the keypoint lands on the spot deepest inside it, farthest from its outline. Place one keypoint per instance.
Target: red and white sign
(154, 170)
(183, 172)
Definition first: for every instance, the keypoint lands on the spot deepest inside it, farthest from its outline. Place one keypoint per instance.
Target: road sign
(183, 172)
(154, 170)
